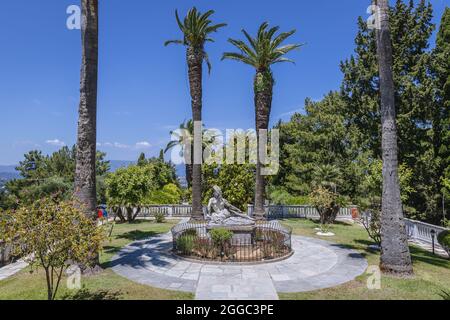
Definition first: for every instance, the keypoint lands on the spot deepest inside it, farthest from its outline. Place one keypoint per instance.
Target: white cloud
(56, 142)
(143, 145)
(138, 145)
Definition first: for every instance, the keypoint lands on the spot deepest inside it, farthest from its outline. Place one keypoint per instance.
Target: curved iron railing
(264, 241)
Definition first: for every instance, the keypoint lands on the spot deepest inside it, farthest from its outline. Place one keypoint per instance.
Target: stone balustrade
(421, 231)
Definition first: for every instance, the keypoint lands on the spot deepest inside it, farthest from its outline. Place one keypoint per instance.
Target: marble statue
(221, 212)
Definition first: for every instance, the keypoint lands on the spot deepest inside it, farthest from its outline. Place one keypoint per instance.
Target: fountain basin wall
(260, 242)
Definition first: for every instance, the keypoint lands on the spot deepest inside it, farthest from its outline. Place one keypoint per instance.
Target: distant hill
(7, 173)
(9, 169)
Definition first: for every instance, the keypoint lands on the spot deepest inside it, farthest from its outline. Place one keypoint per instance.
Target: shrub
(221, 239)
(444, 240)
(220, 236)
(185, 244)
(371, 222)
(327, 204)
(160, 217)
(190, 232)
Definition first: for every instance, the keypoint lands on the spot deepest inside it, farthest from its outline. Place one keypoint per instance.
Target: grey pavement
(315, 264)
(11, 269)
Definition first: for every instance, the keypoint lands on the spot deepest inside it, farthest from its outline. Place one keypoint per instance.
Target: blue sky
(143, 88)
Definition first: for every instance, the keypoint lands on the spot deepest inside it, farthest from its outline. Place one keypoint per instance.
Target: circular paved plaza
(315, 264)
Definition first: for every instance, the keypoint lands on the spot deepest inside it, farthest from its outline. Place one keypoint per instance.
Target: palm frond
(279, 60)
(208, 63)
(173, 42)
(238, 57)
(263, 50)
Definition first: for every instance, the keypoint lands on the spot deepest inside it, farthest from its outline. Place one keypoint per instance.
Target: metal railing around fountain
(262, 242)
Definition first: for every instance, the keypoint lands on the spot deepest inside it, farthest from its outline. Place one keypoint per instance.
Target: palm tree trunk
(85, 190)
(189, 175)
(194, 61)
(263, 87)
(395, 256)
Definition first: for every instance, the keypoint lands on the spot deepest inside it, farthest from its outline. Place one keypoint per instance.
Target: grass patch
(32, 286)
(431, 272)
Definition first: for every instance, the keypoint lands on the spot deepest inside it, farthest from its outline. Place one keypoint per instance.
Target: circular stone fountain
(228, 235)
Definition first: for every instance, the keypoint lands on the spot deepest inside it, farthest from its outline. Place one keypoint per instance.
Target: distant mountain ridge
(9, 172)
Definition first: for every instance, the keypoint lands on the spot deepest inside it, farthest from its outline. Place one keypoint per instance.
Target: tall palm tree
(395, 256)
(85, 189)
(196, 29)
(261, 53)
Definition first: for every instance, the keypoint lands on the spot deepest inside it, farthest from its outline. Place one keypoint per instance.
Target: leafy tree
(261, 52)
(142, 161)
(50, 176)
(327, 202)
(163, 173)
(441, 122)
(45, 234)
(236, 181)
(196, 29)
(319, 146)
(169, 194)
(127, 188)
(411, 28)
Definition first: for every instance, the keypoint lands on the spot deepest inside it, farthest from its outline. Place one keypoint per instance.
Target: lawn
(26, 285)
(432, 273)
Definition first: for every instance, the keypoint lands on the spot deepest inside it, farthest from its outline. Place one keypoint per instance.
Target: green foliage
(371, 186)
(342, 131)
(160, 217)
(51, 175)
(372, 223)
(327, 203)
(129, 186)
(46, 235)
(185, 244)
(169, 194)
(279, 196)
(235, 180)
(220, 236)
(444, 240)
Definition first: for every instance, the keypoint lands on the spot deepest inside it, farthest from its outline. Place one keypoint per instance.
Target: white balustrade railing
(422, 231)
(299, 211)
(273, 211)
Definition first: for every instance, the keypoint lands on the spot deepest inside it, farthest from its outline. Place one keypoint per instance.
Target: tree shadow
(136, 235)
(86, 294)
(422, 255)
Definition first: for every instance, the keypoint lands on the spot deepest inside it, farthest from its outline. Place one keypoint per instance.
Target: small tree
(52, 235)
(128, 187)
(327, 203)
(371, 221)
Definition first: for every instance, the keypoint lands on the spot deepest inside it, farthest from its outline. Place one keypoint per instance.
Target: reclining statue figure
(221, 212)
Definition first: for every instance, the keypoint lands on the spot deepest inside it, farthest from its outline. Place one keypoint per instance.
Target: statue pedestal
(242, 234)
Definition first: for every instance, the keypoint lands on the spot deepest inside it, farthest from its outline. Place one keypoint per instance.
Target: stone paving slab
(11, 269)
(315, 264)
